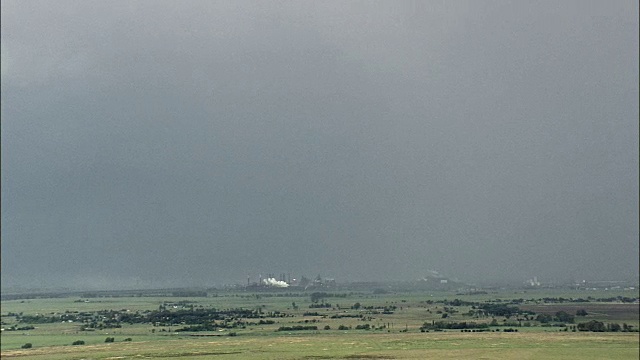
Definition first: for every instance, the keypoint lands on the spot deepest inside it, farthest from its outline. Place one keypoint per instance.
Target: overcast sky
(164, 143)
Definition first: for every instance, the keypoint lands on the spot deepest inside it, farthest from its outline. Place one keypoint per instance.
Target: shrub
(78, 342)
(109, 340)
(27, 346)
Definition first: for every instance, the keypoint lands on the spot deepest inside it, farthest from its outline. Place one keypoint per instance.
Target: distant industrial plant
(286, 281)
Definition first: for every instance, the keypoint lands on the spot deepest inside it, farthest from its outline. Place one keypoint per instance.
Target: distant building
(533, 282)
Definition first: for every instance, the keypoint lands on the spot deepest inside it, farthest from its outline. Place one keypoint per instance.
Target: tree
(316, 296)
(544, 318)
(563, 316)
(613, 327)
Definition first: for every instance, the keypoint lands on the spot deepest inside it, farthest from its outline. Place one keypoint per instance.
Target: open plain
(324, 325)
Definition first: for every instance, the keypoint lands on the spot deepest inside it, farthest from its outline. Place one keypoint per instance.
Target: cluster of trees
(297, 328)
(317, 296)
(310, 313)
(340, 316)
(546, 300)
(599, 326)
(195, 318)
(358, 327)
(458, 302)
(560, 316)
(321, 305)
(623, 299)
(505, 310)
(44, 319)
(103, 319)
(452, 325)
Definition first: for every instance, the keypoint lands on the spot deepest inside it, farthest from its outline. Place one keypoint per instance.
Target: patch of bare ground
(610, 311)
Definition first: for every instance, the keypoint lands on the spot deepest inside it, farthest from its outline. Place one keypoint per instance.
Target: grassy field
(350, 345)
(394, 335)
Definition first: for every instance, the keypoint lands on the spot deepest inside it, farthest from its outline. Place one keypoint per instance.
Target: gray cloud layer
(198, 142)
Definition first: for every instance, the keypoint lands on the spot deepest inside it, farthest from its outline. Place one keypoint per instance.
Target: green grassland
(395, 334)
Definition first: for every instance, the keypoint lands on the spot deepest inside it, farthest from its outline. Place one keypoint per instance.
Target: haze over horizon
(195, 143)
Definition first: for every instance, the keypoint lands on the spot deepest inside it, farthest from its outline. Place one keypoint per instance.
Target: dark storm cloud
(198, 142)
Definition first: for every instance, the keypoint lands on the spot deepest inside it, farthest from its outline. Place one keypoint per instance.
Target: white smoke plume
(274, 282)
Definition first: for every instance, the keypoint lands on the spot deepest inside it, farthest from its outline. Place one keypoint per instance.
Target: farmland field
(324, 325)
